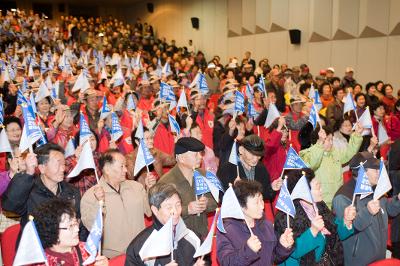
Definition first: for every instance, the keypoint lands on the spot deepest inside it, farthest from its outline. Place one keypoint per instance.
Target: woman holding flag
(316, 231)
(58, 230)
(253, 241)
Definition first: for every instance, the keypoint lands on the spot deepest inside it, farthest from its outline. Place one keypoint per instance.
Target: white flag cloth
(233, 157)
(302, 190)
(42, 93)
(273, 114)
(159, 243)
(69, 149)
(382, 134)
(30, 249)
(206, 246)
(4, 143)
(182, 102)
(26, 141)
(230, 207)
(349, 103)
(213, 189)
(81, 83)
(365, 119)
(384, 184)
(85, 161)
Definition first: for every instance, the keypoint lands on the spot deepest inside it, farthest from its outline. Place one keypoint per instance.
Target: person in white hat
(348, 79)
(212, 78)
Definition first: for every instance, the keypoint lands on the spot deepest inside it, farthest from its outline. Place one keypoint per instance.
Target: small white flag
(85, 160)
(206, 246)
(384, 184)
(5, 145)
(273, 114)
(382, 134)
(159, 243)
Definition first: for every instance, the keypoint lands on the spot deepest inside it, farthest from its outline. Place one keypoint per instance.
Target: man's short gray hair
(160, 192)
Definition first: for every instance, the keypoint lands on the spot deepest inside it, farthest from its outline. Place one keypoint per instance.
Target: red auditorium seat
(386, 262)
(8, 244)
(117, 261)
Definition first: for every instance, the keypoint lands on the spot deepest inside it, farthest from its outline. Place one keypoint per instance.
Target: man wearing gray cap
(368, 243)
(194, 211)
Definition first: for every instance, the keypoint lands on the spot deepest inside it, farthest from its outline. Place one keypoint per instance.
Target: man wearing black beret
(188, 158)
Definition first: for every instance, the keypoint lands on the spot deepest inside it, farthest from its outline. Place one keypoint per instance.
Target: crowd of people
(134, 89)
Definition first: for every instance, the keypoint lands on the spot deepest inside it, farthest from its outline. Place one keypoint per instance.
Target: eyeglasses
(75, 223)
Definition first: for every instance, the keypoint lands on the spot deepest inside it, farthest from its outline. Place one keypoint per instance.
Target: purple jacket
(232, 247)
(4, 181)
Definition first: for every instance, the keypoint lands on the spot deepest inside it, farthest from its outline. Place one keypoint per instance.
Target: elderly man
(194, 211)
(165, 202)
(28, 190)
(125, 202)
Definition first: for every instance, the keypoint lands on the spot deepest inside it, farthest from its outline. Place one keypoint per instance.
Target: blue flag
(239, 102)
(363, 187)
(105, 109)
(1, 111)
(21, 98)
(214, 180)
(293, 160)
(93, 241)
(314, 117)
(130, 105)
(143, 157)
(261, 85)
(285, 202)
(200, 186)
(203, 86)
(84, 129)
(33, 103)
(33, 131)
(174, 125)
(24, 85)
(167, 92)
(251, 111)
(116, 129)
(249, 92)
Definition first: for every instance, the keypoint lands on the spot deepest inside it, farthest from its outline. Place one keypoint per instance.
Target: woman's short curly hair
(47, 218)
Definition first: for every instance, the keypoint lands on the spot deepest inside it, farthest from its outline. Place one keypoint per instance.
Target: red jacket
(206, 125)
(275, 154)
(164, 139)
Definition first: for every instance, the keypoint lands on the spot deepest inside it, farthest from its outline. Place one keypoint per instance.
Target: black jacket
(227, 173)
(183, 254)
(26, 192)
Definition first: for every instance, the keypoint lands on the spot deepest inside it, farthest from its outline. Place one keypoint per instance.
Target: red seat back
(8, 244)
(117, 261)
(386, 262)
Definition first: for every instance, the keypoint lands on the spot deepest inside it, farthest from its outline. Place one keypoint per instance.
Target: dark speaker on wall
(61, 8)
(195, 23)
(295, 36)
(150, 7)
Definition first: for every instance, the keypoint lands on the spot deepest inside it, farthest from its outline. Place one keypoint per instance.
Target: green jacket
(327, 165)
(196, 223)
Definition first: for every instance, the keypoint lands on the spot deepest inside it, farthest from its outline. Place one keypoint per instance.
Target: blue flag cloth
(314, 117)
(249, 92)
(261, 85)
(239, 102)
(203, 86)
(1, 111)
(210, 176)
(33, 103)
(116, 129)
(200, 186)
(363, 186)
(130, 105)
(21, 98)
(105, 109)
(84, 129)
(251, 111)
(93, 241)
(293, 160)
(143, 157)
(167, 92)
(174, 125)
(285, 202)
(24, 85)
(33, 131)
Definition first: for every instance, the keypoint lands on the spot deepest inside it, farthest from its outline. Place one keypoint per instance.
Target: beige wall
(363, 34)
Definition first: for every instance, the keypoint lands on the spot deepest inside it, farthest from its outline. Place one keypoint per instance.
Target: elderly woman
(239, 246)
(317, 234)
(13, 129)
(58, 230)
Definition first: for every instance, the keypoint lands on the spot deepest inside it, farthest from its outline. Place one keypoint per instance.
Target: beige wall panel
(345, 17)
(320, 20)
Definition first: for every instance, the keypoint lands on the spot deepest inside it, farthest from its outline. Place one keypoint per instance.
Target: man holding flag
(371, 223)
(188, 158)
(166, 204)
(125, 203)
